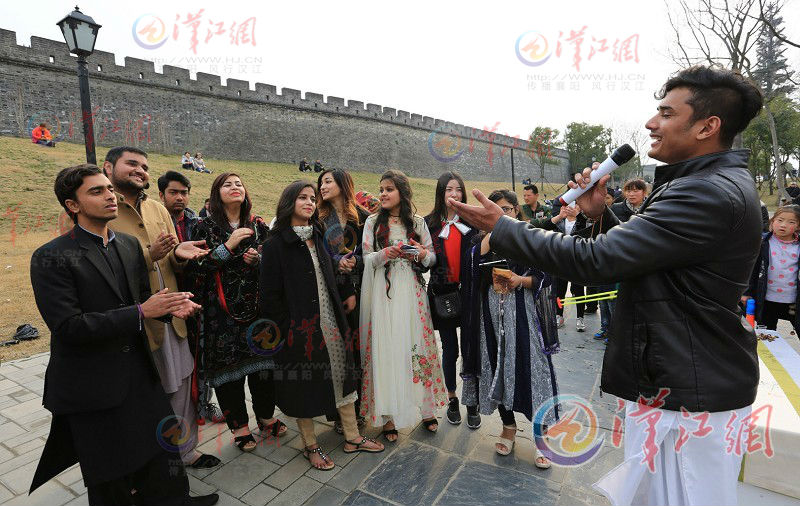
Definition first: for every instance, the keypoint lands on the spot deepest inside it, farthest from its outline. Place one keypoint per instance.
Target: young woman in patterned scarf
(304, 313)
(343, 221)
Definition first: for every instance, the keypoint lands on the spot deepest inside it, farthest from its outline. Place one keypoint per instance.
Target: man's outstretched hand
(189, 250)
(483, 217)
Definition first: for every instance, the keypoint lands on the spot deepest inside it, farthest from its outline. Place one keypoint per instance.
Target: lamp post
(80, 33)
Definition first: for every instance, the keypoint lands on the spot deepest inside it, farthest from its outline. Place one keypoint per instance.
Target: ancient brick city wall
(170, 112)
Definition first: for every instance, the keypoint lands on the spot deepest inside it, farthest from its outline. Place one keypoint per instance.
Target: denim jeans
(606, 307)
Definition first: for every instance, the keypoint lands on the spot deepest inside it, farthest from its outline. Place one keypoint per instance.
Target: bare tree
(772, 73)
(715, 32)
(719, 32)
(763, 11)
(633, 134)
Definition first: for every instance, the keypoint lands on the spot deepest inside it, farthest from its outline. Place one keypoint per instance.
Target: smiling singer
(679, 338)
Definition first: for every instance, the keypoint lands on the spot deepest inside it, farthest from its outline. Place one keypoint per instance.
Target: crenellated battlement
(54, 54)
(172, 108)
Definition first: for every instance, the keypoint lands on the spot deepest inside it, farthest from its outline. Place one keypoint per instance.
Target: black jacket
(765, 217)
(622, 211)
(438, 282)
(684, 261)
(89, 322)
(101, 372)
(758, 282)
(289, 298)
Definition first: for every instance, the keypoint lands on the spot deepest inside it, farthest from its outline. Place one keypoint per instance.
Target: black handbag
(447, 306)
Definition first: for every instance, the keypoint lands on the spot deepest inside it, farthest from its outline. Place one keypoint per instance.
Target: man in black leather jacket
(683, 261)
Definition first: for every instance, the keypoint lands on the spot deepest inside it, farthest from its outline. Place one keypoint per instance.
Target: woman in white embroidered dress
(403, 377)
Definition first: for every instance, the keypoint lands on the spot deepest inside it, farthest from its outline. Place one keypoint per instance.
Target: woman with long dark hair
(227, 281)
(343, 221)
(302, 303)
(402, 371)
(510, 336)
(451, 243)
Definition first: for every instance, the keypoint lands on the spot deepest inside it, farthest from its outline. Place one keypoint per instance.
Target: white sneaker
(560, 321)
(580, 326)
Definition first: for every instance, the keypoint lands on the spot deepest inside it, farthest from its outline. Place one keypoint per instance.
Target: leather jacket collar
(729, 158)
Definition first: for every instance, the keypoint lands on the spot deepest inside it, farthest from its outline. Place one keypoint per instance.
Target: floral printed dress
(403, 379)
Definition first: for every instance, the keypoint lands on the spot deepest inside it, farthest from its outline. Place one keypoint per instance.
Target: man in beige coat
(149, 221)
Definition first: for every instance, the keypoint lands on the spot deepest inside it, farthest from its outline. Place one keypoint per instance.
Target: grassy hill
(29, 212)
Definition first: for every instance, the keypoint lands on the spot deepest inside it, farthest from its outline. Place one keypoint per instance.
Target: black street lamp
(80, 33)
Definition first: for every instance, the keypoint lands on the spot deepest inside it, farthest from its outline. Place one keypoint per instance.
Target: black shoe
(202, 500)
(205, 461)
(473, 417)
(453, 412)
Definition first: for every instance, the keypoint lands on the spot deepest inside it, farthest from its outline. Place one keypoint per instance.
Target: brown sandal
(318, 450)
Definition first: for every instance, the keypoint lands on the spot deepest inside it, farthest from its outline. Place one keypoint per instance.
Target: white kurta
(403, 379)
(704, 471)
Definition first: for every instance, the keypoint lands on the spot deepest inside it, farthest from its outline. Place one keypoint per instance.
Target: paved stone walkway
(456, 466)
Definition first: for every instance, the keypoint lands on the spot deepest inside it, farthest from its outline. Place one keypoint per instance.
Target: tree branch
(763, 19)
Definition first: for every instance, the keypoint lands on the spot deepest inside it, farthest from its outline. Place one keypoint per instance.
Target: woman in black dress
(303, 309)
(227, 284)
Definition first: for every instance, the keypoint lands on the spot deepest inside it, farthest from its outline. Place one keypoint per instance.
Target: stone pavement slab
(454, 466)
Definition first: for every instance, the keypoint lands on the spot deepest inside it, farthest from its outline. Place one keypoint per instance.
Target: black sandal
(360, 448)
(390, 432)
(431, 422)
(205, 461)
(241, 441)
(276, 428)
(318, 450)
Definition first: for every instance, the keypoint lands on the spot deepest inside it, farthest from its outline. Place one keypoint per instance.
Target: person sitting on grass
(41, 135)
(199, 164)
(187, 162)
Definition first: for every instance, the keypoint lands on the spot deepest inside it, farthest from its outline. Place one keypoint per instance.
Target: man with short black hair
(109, 410)
(681, 349)
(173, 190)
(165, 255)
(533, 210)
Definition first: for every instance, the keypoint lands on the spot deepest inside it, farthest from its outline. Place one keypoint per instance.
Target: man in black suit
(110, 413)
